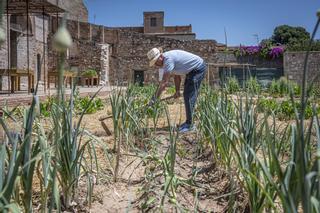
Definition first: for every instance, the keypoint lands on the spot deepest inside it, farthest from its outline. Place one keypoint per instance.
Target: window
(153, 22)
(138, 77)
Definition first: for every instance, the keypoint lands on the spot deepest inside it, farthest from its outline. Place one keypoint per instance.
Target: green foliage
(90, 106)
(89, 73)
(80, 104)
(232, 85)
(294, 38)
(253, 85)
(267, 105)
(303, 46)
(282, 87)
(46, 106)
(264, 154)
(171, 90)
(288, 35)
(285, 109)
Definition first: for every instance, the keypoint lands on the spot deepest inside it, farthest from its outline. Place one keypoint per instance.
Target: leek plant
(54, 153)
(271, 174)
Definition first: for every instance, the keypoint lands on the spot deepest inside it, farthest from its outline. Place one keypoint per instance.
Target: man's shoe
(186, 128)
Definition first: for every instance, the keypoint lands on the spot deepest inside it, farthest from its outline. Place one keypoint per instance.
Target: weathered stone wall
(294, 62)
(20, 52)
(114, 53)
(159, 17)
(76, 9)
(131, 50)
(4, 47)
(229, 57)
(178, 29)
(182, 37)
(261, 62)
(88, 57)
(126, 50)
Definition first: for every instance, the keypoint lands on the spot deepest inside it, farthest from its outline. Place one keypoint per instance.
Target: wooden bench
(15, 77)
(90, 81)
(68, 78)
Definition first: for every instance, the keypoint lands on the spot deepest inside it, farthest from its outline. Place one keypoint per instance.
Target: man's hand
(176, 95)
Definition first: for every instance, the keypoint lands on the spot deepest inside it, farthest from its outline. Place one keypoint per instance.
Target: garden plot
(141, 181)
(240, 157)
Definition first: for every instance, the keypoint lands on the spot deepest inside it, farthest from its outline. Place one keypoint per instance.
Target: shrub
(232, 85)
(286, 110)
(89, 73)
(80, 104)
(282, 87)
(253, 85)
(267, 51)
(91, 106)
(267, 105)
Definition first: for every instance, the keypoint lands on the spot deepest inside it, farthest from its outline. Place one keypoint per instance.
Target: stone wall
(294, 62)
(125, 50)
(229, 57)
(177, 36)
(4, 47)
(131, 49)
(19, 52)
(159, 22)
(76, 9)
(87, 57)
(115, 53)
(178, 29)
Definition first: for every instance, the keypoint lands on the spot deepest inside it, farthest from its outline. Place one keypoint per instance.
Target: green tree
(290, 36)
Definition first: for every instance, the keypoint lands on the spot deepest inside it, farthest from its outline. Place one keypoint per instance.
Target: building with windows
(118, 54)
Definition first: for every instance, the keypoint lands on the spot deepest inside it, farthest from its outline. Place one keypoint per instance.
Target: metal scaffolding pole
(28, 51)
(44, 52)
(8, 47)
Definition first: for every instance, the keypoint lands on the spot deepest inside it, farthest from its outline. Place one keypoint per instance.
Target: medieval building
(118, 54)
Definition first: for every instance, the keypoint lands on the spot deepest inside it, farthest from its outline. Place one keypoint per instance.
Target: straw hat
(153, 55)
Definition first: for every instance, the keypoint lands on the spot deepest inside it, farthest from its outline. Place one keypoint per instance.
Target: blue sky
(244, 20)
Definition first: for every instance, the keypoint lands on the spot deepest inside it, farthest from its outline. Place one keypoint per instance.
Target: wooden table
(68, 76)
(90, 81)
(15, 76)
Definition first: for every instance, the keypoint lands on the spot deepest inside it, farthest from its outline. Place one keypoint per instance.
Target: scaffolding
(26, 8)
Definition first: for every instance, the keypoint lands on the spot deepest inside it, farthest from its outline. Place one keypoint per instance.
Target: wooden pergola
(26, 7)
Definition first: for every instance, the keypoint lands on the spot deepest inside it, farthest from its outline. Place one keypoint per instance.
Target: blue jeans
(191, 90)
